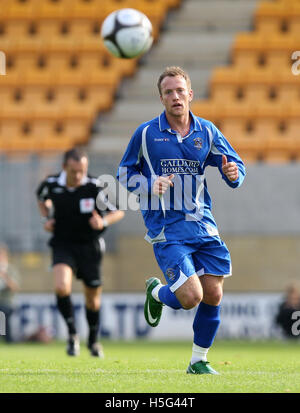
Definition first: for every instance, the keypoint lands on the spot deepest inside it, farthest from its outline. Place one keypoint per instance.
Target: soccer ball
(127, 33)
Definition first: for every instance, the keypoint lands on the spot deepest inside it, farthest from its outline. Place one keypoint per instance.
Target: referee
(68, 205)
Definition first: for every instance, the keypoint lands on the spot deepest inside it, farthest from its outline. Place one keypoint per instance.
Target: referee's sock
(65, 308)
(165, 295)
(93, 319)
(205, 326)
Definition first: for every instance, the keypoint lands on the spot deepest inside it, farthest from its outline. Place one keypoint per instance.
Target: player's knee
(192, 300)
(62, 290)
(213, 297)
(93, 304)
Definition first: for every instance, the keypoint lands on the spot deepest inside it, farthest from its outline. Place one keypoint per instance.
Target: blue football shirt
(184, 211)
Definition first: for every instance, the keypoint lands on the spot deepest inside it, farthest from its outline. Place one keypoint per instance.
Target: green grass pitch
(150, 367)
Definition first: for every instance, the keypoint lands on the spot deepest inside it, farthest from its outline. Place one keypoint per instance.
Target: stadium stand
(259, 87)
(258, 119)
(52, 45)
(59, 74)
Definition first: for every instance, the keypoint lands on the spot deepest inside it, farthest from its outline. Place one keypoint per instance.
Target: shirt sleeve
(42, 192)
(130, 169)
(220, 146)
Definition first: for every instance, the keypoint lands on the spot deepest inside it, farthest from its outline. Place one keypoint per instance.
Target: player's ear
(191, 95)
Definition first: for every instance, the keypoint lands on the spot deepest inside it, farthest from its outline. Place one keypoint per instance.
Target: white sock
(155, 292)
(198, 354)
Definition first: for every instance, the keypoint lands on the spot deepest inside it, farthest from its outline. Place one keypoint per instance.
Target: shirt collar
(164, 124)
(62, 179)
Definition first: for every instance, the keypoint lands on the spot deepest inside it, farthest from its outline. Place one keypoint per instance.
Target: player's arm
(162, 184)
(110, 210)
(130, 169)
(98, 222)
(45, 206)
(225, 158)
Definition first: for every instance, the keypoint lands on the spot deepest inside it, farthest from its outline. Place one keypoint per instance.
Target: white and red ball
(127, 33)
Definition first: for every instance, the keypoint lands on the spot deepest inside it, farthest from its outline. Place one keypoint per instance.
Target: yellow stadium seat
(125, 67)
(245, 59)
(99, 97)
(77, 129)
(81, 111)
(229, 75)
(16, 9)
(223, 92)
(55, 143)
(9, 128)
(294, 25)
(256, 94)
(51, 9)
(82, 27)
(279, 59)
(205, 109)
(279, 149)
(233, 129)
(60, 74)
(18, 144)
(288, 94)
(48, 27)
(84, 10)
(268, 25)
(15, 28)
(15, 110)
(251, 148)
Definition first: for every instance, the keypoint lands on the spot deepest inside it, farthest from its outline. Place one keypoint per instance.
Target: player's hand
(96, 221)
(230, 169)
(49, 225)
(162, 183)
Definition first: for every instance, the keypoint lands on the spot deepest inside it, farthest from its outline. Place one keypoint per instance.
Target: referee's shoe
(96, 350)
(73, 346)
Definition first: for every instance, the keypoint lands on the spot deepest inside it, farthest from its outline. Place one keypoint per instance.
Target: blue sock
(167, 297)
(206, 323)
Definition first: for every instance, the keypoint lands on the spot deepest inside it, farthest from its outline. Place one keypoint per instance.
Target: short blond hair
(173, 71)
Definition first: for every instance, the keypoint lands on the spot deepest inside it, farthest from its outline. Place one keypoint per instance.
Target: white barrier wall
(242, 315)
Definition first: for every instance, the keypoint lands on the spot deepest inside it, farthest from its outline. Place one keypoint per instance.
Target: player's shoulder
(207, 126)
(47, 185)
(152, 124)
(92, 181)
(204, 123)
(51, 179)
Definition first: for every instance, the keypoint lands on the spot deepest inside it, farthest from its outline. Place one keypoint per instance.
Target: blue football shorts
(179, 260)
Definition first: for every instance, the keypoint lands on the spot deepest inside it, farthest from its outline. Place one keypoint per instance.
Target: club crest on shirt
(170, 274)
(87, 205)
(198, 143)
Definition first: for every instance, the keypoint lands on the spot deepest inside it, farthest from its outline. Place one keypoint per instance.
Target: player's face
(175, 95)
(76, 171)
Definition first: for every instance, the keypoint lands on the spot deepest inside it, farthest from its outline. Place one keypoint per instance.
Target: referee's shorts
(84, 259)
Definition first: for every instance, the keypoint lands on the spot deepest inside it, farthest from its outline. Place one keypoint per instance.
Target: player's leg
(183, 290)
(63, 287)
(213, 261)
(92, 307)
(88, 262)
(206, 323)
